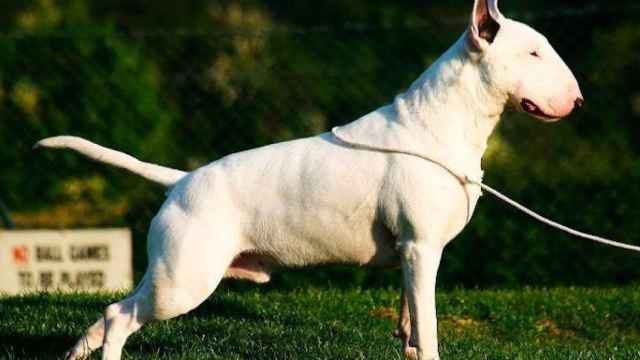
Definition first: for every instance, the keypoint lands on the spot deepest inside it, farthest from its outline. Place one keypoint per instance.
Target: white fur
(316, 201)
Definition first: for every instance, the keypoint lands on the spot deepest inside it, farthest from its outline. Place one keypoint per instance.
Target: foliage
(55, 81)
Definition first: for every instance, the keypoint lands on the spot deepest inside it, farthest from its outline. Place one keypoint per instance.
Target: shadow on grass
(79, 300)
(20, 346)
(226, 308)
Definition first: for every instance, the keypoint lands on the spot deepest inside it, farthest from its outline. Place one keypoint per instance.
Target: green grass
(563, 323)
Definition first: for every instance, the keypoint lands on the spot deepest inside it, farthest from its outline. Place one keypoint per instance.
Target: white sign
(65, 260)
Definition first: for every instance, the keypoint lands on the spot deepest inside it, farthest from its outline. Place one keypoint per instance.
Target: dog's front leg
(420, 267)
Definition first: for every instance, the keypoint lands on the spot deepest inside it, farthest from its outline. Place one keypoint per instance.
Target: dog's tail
(156, 173)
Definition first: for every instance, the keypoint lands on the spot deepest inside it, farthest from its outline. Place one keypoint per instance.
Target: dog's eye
(534, 54)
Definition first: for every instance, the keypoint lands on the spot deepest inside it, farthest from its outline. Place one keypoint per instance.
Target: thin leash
(465, 180)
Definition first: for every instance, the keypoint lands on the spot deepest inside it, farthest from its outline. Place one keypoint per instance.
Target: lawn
(559, 323)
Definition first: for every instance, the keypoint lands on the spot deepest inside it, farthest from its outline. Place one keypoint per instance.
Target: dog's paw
(411, 353)
(70, 355)
(74, 354)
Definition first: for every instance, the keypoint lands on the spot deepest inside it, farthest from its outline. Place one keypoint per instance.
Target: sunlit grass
(561, 323)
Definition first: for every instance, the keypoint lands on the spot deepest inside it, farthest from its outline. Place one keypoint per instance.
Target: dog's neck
(457, 109)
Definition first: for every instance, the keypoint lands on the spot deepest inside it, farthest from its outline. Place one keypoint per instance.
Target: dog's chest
(427, 202)
(474, 192)
(473, 195)
(462, 209)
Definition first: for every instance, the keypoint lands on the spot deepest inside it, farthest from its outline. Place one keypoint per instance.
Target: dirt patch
(385, 313)
(461, 323)
(552, 329)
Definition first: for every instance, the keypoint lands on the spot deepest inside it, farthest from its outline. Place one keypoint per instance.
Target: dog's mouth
(533, 109)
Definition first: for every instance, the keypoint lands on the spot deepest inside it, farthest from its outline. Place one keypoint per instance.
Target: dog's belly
(300, 244)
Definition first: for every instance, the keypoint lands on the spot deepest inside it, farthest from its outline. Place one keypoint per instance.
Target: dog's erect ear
(484, 24)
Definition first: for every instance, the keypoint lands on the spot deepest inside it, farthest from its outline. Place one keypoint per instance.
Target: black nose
(578, 103)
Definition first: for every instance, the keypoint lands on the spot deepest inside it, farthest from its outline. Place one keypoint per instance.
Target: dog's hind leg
(93, 337)
(121, 320)
(90, 342)
(187, 259)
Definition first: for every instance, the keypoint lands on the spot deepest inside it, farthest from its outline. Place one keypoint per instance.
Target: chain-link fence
(221, 77)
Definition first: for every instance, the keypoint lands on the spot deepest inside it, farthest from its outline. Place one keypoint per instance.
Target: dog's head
(519, 62)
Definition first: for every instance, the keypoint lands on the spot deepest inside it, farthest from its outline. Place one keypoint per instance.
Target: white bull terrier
(318, 200)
